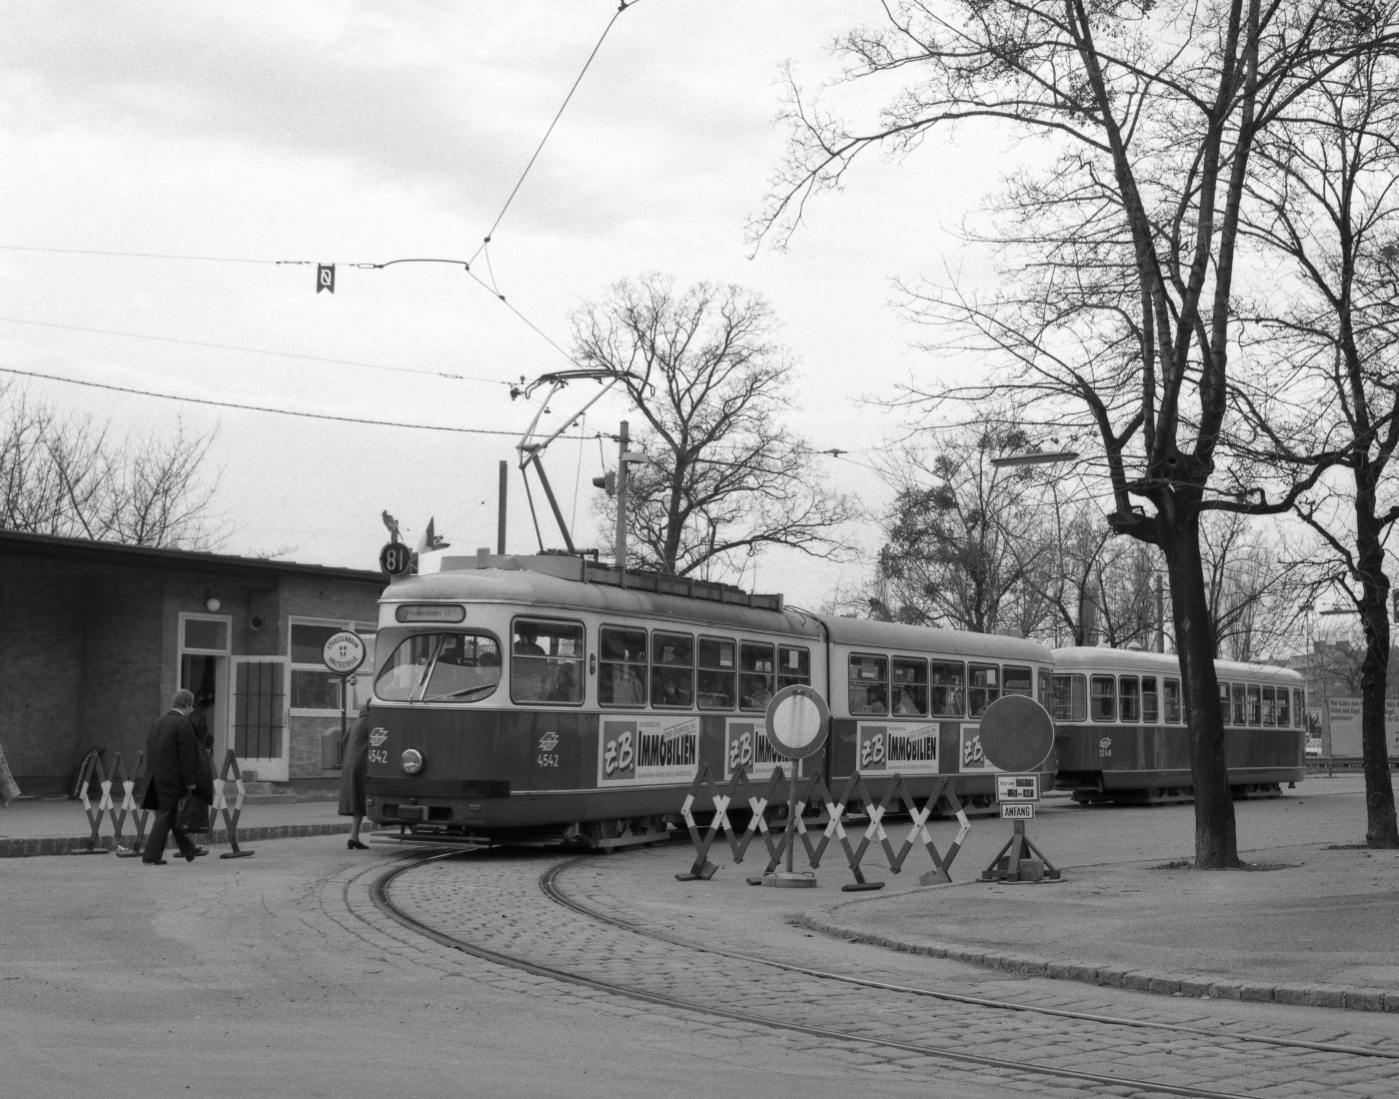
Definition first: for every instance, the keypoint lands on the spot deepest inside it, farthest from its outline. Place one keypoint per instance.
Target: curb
(27, 848)
(1135, 980)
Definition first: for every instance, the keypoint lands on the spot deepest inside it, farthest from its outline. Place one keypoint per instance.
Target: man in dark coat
(173, 763)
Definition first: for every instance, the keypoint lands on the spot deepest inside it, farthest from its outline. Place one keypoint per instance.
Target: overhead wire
(259, 408)
(253, 350)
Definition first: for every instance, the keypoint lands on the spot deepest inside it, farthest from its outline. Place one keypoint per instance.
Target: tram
(1121, 732)
(554, 699)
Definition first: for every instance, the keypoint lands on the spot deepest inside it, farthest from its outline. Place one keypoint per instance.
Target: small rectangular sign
(1017, 812)
(1017, 787)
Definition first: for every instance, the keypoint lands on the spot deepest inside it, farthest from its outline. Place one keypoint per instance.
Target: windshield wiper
(463, 692)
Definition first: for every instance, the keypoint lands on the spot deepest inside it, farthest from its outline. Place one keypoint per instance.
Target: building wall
(90, 655)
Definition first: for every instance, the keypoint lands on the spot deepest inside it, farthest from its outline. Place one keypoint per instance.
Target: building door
(258, 729)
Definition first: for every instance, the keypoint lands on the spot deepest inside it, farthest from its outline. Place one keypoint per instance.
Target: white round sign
(343, 652)
(797, 721)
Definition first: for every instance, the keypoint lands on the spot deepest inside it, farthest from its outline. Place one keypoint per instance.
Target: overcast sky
(364, 132)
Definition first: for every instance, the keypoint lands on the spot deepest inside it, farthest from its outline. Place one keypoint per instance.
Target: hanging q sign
(797, 721)
(343, 652)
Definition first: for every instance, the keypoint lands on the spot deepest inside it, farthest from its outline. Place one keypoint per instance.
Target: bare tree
(1325, 216)
(723, 475)
(1118, 263)
(66, 476)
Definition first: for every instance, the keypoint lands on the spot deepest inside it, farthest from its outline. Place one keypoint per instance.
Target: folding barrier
(896, 793)
(93, 772)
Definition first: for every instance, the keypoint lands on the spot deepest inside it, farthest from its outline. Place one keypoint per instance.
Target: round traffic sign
(1017, 733)
(343, 652)
(797, 721)
(396, 559)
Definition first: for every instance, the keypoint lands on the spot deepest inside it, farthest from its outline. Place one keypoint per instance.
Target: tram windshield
(440, 667)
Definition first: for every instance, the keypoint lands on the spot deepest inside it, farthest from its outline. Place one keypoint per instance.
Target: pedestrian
(173, 757)
(354, 764)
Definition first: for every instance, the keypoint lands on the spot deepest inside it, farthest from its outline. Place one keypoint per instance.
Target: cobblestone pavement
(494, 901)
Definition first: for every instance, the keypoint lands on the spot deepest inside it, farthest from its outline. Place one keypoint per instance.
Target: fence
(93, 773)
(896, 794)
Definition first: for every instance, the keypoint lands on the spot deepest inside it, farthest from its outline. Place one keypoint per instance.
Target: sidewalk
(1308, 923)
(58, 826)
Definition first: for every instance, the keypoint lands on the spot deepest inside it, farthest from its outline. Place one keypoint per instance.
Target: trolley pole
(622, 478)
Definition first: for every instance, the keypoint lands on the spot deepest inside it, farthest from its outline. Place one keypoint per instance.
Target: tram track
(551, 887)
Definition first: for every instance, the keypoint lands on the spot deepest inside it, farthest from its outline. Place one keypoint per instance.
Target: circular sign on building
(343, 652)
(797, 721)
(1017, 733)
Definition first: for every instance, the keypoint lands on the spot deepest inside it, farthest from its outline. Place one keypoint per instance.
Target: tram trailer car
(552, 699)
(1121, 732)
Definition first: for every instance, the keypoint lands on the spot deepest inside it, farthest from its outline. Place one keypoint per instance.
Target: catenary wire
(253, 350)
(261, 408)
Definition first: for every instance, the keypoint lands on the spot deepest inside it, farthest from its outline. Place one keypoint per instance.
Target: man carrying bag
(173, 761)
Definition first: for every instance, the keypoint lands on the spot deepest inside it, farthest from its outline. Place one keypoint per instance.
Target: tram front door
(258, 717)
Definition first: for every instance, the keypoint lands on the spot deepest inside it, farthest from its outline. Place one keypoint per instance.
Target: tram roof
(524, 586)
(1090, 657)
(868, 633)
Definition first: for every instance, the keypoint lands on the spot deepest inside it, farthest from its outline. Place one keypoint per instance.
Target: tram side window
(718, 671)
(1284, 711)
(910, 687)
(1270, 706)
(1299, 708)
(1172, 691)
(985, 687)
(1019, 681)
(1129, 698)
(1224, 709)
(949, 686)
(1240, 704)
(438, 667)
(672, 669)
(546, 661)
(793, 666)
(1046, 694)
(1103, 693)
(1151, 711)
(869, 685)
(1070, 698)
(755, 675)
(621, 667)
(1255, 704)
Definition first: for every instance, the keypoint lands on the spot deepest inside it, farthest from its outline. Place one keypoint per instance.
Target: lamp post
(1029, 458)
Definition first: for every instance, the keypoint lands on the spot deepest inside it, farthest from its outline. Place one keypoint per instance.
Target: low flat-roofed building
(97, 637)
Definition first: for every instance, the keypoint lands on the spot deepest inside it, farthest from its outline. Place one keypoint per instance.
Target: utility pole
(500, 520)
(1160, 616)
(622, 479)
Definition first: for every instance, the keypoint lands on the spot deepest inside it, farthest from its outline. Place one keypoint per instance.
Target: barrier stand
(703, 869)
(128, 805)
(92, 769)
(230, 819)
(1013, 862)
(815, 792)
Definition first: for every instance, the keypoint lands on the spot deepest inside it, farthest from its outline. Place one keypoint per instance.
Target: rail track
(1072, 1047)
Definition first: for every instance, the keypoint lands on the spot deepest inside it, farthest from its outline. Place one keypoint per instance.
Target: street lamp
(1033, 458)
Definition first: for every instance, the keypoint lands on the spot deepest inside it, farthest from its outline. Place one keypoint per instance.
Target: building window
(314, 688)
(204, 635)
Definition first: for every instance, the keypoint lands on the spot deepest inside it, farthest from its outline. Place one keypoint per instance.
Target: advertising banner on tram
(654, 750)
(910, 748)
(746, 747)
(973, 759)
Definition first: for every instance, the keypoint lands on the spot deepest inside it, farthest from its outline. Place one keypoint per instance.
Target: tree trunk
(1216, 840)
(1380, 827)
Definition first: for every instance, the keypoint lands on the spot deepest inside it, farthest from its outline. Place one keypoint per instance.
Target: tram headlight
(411, 761)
